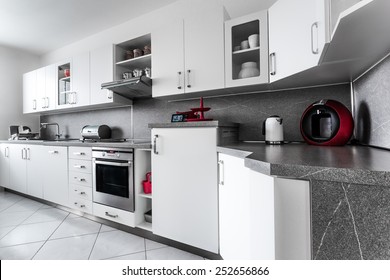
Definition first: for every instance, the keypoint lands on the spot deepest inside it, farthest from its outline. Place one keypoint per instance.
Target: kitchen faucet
(44, 125)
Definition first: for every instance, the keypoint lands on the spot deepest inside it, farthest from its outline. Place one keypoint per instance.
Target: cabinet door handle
(23, 153)
(74, 99)
(188, 78)
(316, 50)
(155, 144)
(221, 173)
(79, 166)
(179, 80)
(272, 62)
(80, 180)
(109, 94)
(47, 103)
(34, 104)
(81, 205)
(43, 102)
(53, 152)
(28, 153)
(6, 152)
(79, 154)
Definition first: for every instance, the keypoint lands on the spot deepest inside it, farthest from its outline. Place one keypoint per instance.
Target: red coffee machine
(327, 123)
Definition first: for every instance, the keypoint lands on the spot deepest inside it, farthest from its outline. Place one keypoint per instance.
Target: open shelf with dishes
(133, 58)
(143, 201)
(246, 49)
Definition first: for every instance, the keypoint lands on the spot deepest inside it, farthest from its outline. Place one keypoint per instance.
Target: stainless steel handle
(34, 104)
(155, 144)
(23, 153)
(221, 173)
(28, 154)
(82, 193)
(44, 102)
(113, 163)
(53, 152)
(80, 179)
(110, 94)
(6, 152)
(188, 78)
(112, 216)
(74, 99)
(272, 59)
(81, 205)
(48, 103)
(79, 166)
(79, 154)
(314, 25)
(178, 80)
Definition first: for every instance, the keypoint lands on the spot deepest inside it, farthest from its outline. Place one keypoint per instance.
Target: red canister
(147, 184)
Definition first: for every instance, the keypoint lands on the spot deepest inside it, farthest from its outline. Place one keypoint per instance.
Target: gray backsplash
(372, 99)
(249, 110)
(119, 119)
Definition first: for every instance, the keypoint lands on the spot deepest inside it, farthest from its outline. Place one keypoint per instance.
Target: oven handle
(113, 163)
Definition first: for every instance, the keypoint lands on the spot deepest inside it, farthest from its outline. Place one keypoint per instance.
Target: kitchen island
(350, 190)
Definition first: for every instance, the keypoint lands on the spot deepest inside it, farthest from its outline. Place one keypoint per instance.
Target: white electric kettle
(273, 130)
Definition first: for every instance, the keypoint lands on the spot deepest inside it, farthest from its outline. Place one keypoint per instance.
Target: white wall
(13, 63)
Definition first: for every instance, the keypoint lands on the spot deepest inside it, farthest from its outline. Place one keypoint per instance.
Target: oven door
(113, 183)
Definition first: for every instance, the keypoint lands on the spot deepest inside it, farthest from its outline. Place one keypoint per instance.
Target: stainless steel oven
(113, 177)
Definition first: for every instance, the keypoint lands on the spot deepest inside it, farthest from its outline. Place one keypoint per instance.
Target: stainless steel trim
(53, 152)
(6, 152)
(188, 78)
(79, 154)
(316, 51)
(79, 166)
(34, 104)
(28, 153)
(155, 144)
(112, 163)
(272, 59)
(80, 180)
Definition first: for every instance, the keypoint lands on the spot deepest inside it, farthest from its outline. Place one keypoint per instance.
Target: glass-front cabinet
(65, 95)
(246, 50)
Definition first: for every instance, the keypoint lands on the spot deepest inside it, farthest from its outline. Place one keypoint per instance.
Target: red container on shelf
(147, 184)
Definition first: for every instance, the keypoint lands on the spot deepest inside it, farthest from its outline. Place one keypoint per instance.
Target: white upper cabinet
(188, 54)
(80, 80)
(246, 50)
(46, 88)
(30, 104)
(296, 36)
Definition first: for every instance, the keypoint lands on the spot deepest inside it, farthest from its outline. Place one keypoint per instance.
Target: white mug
(245, 45)
(253, 40)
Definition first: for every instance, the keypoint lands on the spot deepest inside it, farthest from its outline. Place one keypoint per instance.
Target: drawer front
(80, 204)
(80, 153)
(82, 179)
(113, 214)
(78, 165)
(82, 192)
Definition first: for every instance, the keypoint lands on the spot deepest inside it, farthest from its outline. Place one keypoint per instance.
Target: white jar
(249, 69)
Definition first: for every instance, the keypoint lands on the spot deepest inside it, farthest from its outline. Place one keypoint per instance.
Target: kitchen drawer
(79, 178)
(78, 165)
(114, 214)
(80, 204)
(78, 191)
(80, 153)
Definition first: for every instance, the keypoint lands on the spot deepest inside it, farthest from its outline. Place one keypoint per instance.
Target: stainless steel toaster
(96, 132)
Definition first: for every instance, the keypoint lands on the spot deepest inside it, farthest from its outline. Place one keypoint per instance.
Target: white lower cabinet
(185, 199)
(260, 216)
(4, 165)
(55, 179)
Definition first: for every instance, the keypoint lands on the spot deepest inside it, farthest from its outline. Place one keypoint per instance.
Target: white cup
(245, 45)
(253, 40)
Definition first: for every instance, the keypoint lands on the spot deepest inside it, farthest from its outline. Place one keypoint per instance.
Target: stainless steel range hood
(139, 87)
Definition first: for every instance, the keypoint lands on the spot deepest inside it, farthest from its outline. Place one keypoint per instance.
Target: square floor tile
(170, 253)
(29, 233)
(105, 228)
(75, 227)
(24, 205)
(150, 245)
(14, 218)
(136, 256)
(116, 243)
(5, 230)
(20, 252)
(47, 215)
(71, 248)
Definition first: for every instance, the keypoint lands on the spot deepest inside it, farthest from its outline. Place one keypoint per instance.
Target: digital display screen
(178, 118)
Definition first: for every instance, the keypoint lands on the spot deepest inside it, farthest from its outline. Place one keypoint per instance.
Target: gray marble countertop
(350, 164)
(127, 144)
(193, 124)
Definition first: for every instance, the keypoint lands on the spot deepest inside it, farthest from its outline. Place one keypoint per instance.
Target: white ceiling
(40, 26)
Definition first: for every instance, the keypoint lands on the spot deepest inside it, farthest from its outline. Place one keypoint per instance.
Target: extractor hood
(139, 87)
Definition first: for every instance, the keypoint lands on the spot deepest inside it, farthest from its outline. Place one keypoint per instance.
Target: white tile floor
(32, 230)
